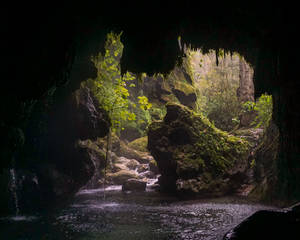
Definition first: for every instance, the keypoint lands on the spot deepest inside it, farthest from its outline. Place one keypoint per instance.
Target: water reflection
(146, 216)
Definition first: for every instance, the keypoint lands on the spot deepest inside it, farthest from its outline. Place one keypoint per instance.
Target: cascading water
(13, 189)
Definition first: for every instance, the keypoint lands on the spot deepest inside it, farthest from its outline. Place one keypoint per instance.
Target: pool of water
(129, 216)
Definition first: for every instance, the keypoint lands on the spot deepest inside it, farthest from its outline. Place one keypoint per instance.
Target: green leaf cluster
(263, 107)
(111, 87)
(217, 86)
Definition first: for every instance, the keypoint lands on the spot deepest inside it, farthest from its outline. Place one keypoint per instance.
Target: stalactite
(217, 56)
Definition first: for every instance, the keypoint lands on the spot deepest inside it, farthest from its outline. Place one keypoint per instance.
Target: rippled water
(129, 216)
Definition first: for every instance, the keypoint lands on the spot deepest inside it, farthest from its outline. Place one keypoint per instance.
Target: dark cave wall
(41, 44)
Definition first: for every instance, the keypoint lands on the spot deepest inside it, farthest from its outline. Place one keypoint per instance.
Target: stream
(146, 215)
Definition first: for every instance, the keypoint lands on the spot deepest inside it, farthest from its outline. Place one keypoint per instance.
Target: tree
(263, 108)
(110, 87)
(217, 85)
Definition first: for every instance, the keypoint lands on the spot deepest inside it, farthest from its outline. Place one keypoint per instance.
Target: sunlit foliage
(263, 107)
(217, 86)
(111, 88)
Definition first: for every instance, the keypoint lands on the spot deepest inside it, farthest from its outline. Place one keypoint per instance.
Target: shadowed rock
(134, 185)
(268, 225)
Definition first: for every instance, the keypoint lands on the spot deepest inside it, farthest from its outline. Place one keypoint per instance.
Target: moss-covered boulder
(140, 144)
(195, 157)
(122, 176)
(130, 153)
(135, 185)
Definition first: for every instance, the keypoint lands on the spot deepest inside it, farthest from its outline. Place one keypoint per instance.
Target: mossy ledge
(193, 156)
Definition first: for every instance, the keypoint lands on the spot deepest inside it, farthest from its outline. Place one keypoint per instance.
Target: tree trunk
(107, 158)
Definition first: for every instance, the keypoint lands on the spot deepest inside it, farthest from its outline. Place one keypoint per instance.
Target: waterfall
(13, 189)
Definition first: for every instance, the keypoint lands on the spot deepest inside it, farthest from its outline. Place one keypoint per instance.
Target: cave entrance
(215, 84)
(225, 90)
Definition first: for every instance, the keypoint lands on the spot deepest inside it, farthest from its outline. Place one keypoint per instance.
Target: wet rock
(132, 164)
(56, 185)
(70, 163)
(195, 157)
(119, 166)
(134, 185)
(147, 174)
(126, 151)
(19, 192)
(266, 170)
(130, 133)
(142, 168)
(120, 177)
(87, 119)
(139, 144)
(153, 167)
(267, 225)
(122, 160)
(97, 156)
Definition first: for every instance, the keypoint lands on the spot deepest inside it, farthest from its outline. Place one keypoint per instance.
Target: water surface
(129, 216)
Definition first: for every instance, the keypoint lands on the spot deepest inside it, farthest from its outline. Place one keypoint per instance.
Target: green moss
(157, 111)
(184, 87)
(169, 98)
(209, 149)
(139, 144)
(153, 162)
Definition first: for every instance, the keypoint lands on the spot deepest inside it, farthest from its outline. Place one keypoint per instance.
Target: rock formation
(69, 164)
(245, 92)
(195, 157)
(268, 225)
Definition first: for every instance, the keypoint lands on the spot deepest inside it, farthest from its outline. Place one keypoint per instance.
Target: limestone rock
(195, 157)
(132, 164)
(139, 144)
(119, 166)
(267, 225)
(126, 151)
(153, 167)
(134, 185)
(97, 156)
(142, 168)
(120, 177)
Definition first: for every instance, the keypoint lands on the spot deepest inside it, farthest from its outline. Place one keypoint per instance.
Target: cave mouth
(216, 86)
(198, 85)
(263, 33)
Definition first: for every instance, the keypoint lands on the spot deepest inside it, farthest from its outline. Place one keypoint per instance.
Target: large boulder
(60, 162)
(195, 157)
(130, 153)
(268, 225)
(134, 185)
(97, 156)
(139, 144)
(265, 170)
(118, 178)
(79, 118)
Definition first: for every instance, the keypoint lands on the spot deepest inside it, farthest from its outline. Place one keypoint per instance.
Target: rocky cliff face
(68, 165)
(265, 34)
(245, 91)
(177, 87)
(195, 157)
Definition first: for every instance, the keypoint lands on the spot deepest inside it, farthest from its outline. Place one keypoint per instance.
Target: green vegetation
(157, 112)
(111, 88)
(217, 86)
(139, 144)
(263, 107)
(189, 147)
